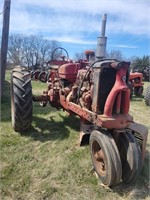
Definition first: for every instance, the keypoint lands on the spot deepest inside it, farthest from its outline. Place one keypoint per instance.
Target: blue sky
(77, 23)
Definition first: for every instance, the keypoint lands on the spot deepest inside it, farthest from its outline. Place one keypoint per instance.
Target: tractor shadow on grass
(48, 123)
(53, 129)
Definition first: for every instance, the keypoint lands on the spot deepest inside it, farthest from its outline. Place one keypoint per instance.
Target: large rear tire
(21, 99)
(105, 157)
(130, 154)
(147, 96)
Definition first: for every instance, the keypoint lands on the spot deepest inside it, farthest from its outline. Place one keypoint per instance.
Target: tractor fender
(140, 132)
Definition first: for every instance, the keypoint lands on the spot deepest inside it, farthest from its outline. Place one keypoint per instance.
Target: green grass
(47, 162)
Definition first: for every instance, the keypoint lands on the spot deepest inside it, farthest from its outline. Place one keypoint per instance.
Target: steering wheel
(61, 50)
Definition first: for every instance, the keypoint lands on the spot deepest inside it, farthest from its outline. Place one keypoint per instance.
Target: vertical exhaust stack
(102, 40)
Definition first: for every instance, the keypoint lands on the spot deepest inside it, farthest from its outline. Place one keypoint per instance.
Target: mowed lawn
(47, 162)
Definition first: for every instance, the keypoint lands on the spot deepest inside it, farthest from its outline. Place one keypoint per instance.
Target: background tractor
(136, 83)
(98, 94)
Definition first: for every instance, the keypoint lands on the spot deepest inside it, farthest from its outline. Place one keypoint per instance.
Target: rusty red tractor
(97, 92)
(136, 83)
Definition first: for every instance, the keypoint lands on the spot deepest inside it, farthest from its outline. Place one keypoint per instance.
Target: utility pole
(4, 43)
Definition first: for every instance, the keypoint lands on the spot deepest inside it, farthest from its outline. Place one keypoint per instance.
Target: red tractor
(136, 84)
(98, 93)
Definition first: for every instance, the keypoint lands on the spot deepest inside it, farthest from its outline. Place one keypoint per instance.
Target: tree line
(32, 51)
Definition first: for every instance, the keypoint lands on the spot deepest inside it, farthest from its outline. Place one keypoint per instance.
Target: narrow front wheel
(138, 91)
(105, 157)
(131, 159)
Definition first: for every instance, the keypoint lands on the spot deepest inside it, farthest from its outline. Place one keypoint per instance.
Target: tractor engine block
(83, 83)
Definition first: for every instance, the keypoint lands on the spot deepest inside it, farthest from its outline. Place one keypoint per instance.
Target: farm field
(47, 162)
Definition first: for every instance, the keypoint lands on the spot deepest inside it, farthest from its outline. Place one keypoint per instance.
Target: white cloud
(125, 46)
(74, 39)
(77, 20)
